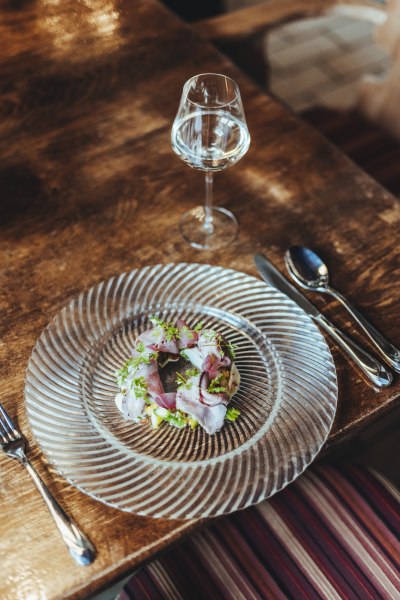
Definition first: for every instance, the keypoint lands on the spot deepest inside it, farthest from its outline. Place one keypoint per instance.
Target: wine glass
(210, 133)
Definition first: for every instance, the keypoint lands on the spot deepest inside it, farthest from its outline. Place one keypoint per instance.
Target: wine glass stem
(208, 220)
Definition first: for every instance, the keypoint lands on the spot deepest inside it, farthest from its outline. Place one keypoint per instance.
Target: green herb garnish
(184, 381)
(171, 332)
(177, 419)
(215, 386)
(187, 332)
(180, 379)
(123, 373)
(231, 349)
(139, 386)
(142, 360)
(133, 364)
(217, 389)
(232, 414)
(198, 327)
(210, 334)
(192, 372)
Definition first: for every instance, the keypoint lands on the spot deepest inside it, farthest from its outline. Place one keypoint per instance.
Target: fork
(13, 444)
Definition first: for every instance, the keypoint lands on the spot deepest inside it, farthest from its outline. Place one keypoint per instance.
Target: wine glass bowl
(210, 133)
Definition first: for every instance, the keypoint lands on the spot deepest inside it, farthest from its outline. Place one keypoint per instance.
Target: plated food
(287, 394)
(206, 380)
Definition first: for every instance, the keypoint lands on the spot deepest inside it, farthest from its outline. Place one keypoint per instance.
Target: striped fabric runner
(333, 534)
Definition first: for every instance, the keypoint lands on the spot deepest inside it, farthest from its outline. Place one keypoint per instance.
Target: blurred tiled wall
(320, 61)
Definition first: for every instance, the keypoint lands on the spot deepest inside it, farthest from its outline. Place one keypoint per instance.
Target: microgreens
(189, 334)
(231, 349)
(198, 327)
(133, 364)
(214, 385)
(171, 332)
(232, 414)
(192, 372)
(140, 383)
(123, 373)
(180, 379)
(139, 386)
(143, 360)
(184, 381)
(217, 389)
(210, 334)
(177, 419)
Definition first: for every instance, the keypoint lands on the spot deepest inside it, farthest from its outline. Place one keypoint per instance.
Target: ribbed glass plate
(287, 396)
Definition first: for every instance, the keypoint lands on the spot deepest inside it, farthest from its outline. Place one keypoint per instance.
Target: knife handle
(387, 349)
(368, 364)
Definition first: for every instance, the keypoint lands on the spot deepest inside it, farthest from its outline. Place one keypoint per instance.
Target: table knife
(368, 364)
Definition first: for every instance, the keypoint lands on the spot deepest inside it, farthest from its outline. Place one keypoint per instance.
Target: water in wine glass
(210, 133)
(210, 140)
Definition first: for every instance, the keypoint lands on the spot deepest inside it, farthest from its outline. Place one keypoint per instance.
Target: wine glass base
(195, 230)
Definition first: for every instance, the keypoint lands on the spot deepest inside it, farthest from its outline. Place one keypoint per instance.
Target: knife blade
(271, 275)
(376, 372)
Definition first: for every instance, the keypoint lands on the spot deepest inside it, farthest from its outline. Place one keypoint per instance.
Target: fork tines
(8, 431)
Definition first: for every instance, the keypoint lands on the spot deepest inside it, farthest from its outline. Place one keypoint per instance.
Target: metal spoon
(310, 272)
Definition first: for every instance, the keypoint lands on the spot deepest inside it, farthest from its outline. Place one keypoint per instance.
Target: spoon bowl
(307, 268)
(310, 272)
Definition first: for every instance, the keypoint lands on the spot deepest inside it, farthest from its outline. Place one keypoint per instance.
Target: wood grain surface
(90, 188)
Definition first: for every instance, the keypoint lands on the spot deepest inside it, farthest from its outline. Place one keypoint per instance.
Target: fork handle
(78, 544)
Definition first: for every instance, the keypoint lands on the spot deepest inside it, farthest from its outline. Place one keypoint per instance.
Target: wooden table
(90, 188)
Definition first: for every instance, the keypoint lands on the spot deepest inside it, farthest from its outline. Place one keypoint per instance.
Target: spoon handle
(388, 351)
(370, 366)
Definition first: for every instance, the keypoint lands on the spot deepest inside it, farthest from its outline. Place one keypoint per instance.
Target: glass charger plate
(287, 396)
